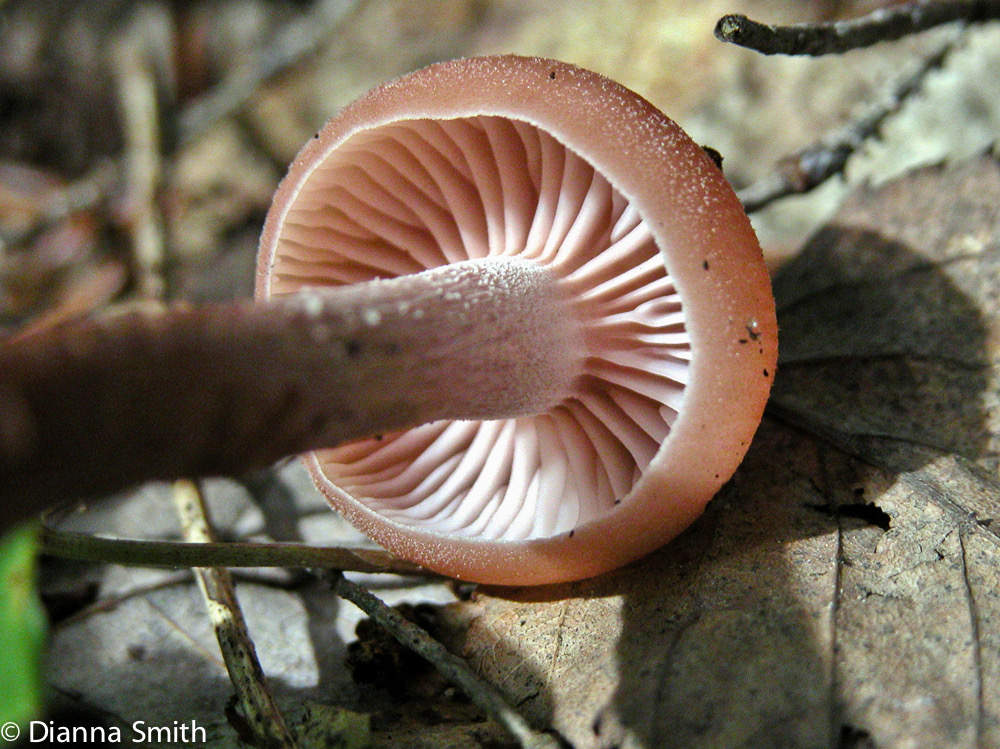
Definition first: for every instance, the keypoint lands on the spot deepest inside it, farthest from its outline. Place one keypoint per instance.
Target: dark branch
(829, 38)
(172, 554)
(814, 165)
(454, 668)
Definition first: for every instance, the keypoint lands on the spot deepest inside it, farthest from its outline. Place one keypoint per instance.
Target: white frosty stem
(480, 339)
(98, 405)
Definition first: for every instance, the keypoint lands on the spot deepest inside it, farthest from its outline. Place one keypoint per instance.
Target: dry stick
(114, 600)
(111, 602)
(480, 691)
(172, 554)
(137, 89)
(830, 38)
(295, 41)
(138, 93)
(813, 166)
(258, 709)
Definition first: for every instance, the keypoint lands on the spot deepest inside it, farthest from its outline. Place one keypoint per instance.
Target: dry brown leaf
(840, 591)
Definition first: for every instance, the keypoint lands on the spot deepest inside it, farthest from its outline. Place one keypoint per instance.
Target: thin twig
(290, 45)
(183, 577)
(259, 713)
(481, 692)
(137, 92)
(174, 554)
(884, 24)
(813, 166)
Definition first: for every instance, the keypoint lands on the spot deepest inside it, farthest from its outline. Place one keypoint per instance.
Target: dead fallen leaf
(841, 589)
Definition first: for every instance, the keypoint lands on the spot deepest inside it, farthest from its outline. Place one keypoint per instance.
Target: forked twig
(811, 167)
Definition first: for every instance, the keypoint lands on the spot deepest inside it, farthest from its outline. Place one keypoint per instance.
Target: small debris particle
(372, 317)
(714, 155)
(704, 264)
(379, 437)
(867, 512)
(572, 532)
(766, 373)
(353, 347)
(744, 340)
(753, 328)
(855, 738)
(552, 75)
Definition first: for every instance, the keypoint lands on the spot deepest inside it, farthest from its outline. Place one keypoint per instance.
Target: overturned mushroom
(646, 343)
(523, 313)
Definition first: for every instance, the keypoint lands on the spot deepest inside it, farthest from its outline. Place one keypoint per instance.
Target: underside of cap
(673, 383)
(417, 194)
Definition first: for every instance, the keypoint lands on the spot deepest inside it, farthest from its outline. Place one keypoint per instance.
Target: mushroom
(590, 339)
(520, 316)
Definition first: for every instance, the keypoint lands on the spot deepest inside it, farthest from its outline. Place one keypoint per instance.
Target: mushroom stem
(95, 406)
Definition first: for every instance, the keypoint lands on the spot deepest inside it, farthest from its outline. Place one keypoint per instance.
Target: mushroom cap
(539, 159)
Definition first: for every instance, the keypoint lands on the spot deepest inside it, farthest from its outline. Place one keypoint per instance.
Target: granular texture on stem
(95, 406)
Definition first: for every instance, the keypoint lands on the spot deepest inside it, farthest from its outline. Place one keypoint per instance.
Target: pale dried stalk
(256, 704)
(143, 171)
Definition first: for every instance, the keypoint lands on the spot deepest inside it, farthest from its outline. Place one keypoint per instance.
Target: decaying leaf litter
(844, 573)
(792, 557)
